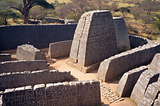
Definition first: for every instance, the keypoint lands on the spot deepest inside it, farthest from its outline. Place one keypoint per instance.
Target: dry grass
(60, 1)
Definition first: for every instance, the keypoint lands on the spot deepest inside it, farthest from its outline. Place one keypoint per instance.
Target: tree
(7, 14)
(80, 4)
(136, 12)
(150, 6)
(99, 3)
(113, 7)
(148, 32)
(124, 10)
(28, 4)
(145, 21)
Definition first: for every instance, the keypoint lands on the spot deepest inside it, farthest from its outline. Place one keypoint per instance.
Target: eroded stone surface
(5, 57)
(29, 52)
(146, 78)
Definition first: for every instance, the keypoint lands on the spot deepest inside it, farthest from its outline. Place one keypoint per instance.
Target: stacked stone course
(22, 65)
(5, 57)
(126, 61)
(19, 79)
(29, 52)
(59, 49)
(79, 93)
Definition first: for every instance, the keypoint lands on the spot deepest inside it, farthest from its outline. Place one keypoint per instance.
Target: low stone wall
(137, 41)
(128, 60)
(19, 79)
(59, 49)
(151, 95)
(80, 93)
(29, 52)
(146, 78)
(22, 65)
(5, 57)
(128, 80)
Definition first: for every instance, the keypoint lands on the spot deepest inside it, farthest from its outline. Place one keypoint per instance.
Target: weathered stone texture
(136, 41)
(22, 65)
(5, 57)
(155, 64)
(94, 38)
(59, 49)
(123, 42)
(128, 80)
(80, 93)
(146, 78)
(151, 94)
(126, 61)
(19, 79)
(28, 52)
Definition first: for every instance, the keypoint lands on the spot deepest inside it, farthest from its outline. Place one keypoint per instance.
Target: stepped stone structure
(94, 39)
(151, 94)
(127, 60)
(128, 80)
(59, 49)
(5, 57)
(79, 93)
(146, 78)
(22, 65)
(28, 52)
(155, 64)
(123, 42)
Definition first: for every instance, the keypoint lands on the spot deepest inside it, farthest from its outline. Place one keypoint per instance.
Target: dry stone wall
(38, 35)
(29, 52)
(5, 57)
(155, 64)
(20, 79)
(94, 38)
(128, 80)
(136, 41)
(126, 61)
(80, 93)
(123, 42)
(59, 49)
(151, 94)
(146, 78)
(22, 65)
(157, 101)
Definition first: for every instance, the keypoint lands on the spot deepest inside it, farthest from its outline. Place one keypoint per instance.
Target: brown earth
(59, 64)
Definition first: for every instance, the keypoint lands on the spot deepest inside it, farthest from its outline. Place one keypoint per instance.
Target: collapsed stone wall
(22, 65)
(136, 41)
(80, 93)
(128, 60)
(59, 49)
(19, 79)
(38, 35)
(5, 57)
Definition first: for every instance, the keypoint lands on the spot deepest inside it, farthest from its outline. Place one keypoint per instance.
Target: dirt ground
(59, 64)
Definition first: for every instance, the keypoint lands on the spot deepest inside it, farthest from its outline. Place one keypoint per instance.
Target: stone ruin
(98, 39)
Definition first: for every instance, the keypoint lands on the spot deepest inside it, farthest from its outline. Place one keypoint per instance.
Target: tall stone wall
(22, 65)
(59, 49)
(94, 38)
(85, 93)
(38, 35)
(5, 57)
(126, 61)
(123, 42)
(29, 52)
(136, 41)
(20, 79)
